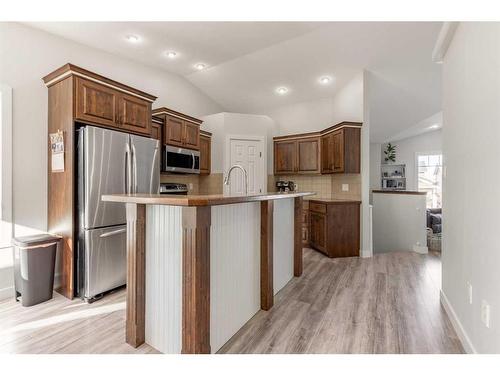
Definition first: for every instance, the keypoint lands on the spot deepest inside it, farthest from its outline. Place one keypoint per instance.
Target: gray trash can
(34, 263)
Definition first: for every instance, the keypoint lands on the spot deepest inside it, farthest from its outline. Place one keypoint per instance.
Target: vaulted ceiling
(247, 61)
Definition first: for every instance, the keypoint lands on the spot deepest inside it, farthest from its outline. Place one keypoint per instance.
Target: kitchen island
(200, 266)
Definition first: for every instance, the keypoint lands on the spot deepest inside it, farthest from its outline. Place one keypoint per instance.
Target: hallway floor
(385, 304)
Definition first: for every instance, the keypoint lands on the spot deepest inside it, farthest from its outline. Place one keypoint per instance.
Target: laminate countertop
(199, 200)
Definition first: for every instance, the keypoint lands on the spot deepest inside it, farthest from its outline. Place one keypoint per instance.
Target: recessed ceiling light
(435, 126)
(133, 38)
(171, 54)
(325, 80)
(200, 66)
(281, 90)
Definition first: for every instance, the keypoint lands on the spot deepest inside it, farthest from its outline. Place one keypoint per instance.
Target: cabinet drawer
(317, 207)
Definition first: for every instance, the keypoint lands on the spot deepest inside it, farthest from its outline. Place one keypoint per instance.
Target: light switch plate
(345, 187)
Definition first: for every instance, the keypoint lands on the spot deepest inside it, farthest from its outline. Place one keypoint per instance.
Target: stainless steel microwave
(180, 160)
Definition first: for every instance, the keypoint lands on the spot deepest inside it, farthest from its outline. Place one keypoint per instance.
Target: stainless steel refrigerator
(109, 162)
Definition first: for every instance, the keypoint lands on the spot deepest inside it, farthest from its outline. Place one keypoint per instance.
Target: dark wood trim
(136, 278)
(407, 192)
(196, 280)
(157, 120)
(297, 237)
(205, 133)
(318, 133)
(61, 199)
(160, 112)
(68, 69)
(266, 255)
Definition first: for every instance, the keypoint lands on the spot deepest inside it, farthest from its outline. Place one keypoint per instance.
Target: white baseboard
(459, 329)
(365, 254)
(420, 249)
(7, 292)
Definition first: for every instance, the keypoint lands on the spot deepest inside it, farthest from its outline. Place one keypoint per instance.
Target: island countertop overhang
(198, 200)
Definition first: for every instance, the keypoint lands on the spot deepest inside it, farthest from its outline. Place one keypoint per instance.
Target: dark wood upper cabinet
(308, 155)
(134, 114)
(335, 227)
(157, 129)
(180, 130)
(333, 150)
(95, 103)
(285, 157)
(191, 135)
(174, 129)
(205, 153)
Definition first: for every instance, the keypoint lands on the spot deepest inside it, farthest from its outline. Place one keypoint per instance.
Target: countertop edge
(408, 192)
(197, 200)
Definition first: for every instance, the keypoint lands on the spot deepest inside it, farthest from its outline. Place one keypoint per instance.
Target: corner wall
(471, 198)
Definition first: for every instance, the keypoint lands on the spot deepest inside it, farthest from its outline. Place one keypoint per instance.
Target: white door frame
(263, 160)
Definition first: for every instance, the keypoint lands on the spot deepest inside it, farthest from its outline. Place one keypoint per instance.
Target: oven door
(181, 160)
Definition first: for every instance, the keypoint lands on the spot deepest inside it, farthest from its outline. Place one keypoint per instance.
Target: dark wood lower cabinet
(335, 227)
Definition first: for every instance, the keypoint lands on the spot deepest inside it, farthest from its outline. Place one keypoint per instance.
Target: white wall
(375, 160)
(346, 105)
(26, 55)
(222, 124)
(471, 199)
(406, 151)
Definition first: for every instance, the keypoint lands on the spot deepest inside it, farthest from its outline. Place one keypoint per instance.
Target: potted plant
(390, 153)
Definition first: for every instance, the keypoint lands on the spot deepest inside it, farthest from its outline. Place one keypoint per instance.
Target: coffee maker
(285, 186)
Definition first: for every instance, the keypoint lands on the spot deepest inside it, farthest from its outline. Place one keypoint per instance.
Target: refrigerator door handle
(134, 169)
(128, 169)
(113, 233)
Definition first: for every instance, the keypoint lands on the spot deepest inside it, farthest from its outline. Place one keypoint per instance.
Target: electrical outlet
(485, 313)
(469, 292)
(345, 187)
(190, 186)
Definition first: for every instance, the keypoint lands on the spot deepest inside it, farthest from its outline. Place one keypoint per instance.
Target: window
(430, 177)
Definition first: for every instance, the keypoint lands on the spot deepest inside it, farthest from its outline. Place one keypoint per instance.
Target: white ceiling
(248, 60)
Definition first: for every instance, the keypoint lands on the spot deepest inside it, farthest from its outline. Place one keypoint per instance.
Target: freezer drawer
(105, 259)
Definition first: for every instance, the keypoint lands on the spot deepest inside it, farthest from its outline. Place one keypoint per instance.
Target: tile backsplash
(325, 186)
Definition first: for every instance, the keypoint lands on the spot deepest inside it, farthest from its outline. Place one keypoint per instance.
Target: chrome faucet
(228, 175)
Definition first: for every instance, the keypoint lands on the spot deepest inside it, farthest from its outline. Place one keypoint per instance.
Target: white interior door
(248, 154)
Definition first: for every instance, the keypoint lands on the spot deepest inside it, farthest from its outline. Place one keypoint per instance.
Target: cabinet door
(327, 154)
(134, 114)
(317, 231)
(191, 135)
(156, 131)
(308, 155)
(285, 156)
(95, 103)
(173, 132)
(205, 150)
(338, 150)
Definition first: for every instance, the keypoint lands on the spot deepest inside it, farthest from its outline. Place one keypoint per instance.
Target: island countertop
(199, 200)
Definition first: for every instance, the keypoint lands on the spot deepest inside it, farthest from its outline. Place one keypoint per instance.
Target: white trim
(443, 41)
(459, 329)
(72, 72)
(227, 157)
(198, 122)
(7, 292)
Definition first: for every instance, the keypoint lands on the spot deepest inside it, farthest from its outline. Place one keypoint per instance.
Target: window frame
(429, 153)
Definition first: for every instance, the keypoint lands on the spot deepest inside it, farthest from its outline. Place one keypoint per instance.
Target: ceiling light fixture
(325, 80)
(200, 66)
(435, 126)
(282, 90)
(171, 54)
(133, 38)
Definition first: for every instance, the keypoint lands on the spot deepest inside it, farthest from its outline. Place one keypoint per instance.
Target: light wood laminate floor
(385, 304)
